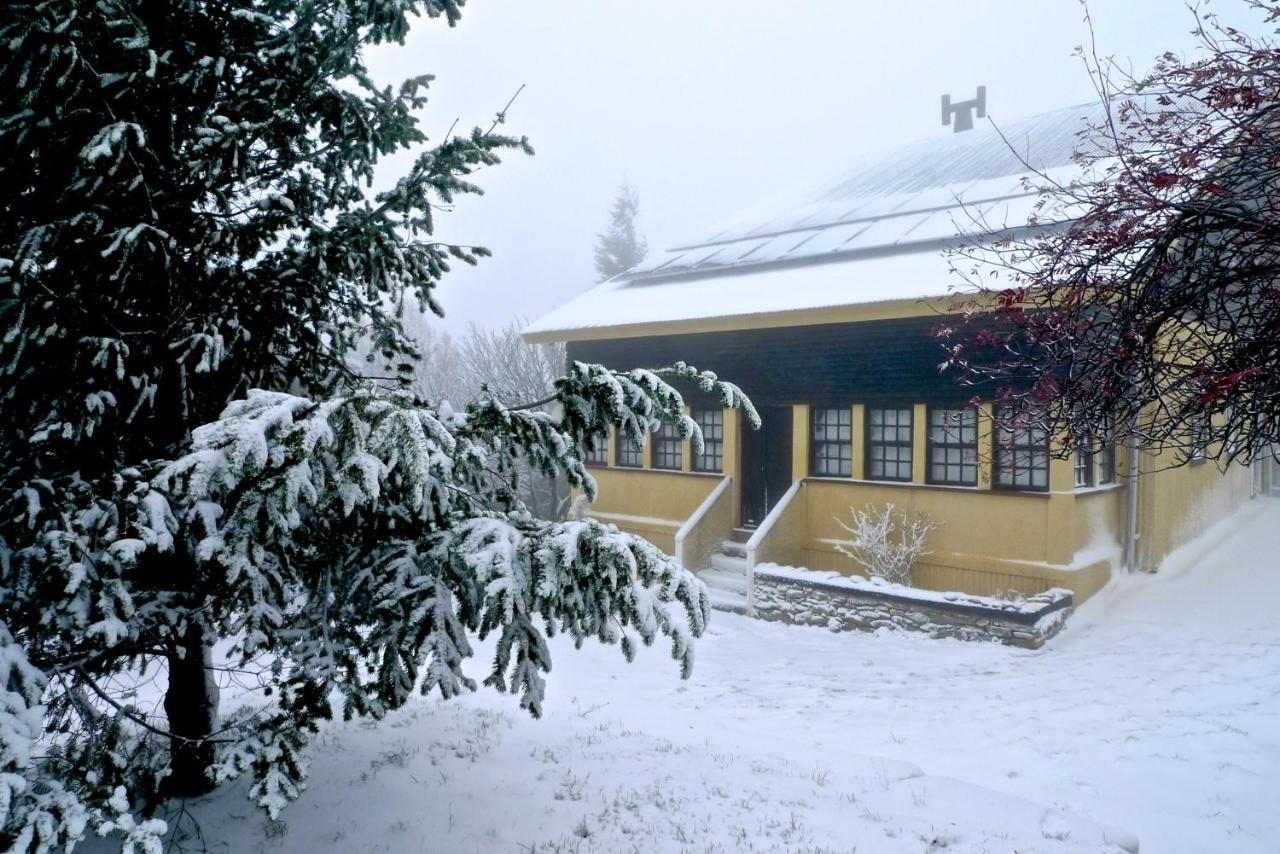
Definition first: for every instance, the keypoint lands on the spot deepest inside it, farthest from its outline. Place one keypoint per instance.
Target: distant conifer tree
(622, 246)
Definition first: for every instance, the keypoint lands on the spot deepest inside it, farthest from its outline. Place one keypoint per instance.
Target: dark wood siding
(834, 363)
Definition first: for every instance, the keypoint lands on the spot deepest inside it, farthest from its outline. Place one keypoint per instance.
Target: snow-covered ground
(1153, 718)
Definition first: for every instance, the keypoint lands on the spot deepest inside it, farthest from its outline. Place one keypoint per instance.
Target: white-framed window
(953, 445)
(1107, 453)
(629, 454)
(1199, 443)
(595, 452)
(831, 441)
(711, 422)
(1021, 455)
(889, 443)
(667, 448)
(1084, 466)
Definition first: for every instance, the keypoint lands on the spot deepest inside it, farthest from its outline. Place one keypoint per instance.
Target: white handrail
(758, 537)
(692, 521)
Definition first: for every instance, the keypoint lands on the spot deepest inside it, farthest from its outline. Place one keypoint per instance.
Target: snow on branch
(362, 539)
(1141, 302)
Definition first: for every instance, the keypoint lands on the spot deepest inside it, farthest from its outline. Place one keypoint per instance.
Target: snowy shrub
(886, 542)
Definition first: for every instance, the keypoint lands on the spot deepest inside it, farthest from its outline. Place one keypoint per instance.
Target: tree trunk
(191, 703)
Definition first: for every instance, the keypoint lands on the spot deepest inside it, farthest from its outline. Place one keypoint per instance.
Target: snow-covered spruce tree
(487, 363)
(622, 246)
(499, 362)
(187, 219)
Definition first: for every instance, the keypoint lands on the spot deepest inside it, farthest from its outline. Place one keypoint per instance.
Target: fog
(708, 107)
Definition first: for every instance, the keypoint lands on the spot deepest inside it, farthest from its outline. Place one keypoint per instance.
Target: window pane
(1107, 456)
(1022, 457)
(1084, 468)
(598, 455)
(629, 454)
(953, 444)
(711, 422)
(831, 454)
(889, 443)
(667, 448)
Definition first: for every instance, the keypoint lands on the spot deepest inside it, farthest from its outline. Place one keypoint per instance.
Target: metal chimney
(963, 111)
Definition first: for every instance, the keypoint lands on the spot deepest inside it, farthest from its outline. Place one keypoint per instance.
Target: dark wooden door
(766, 463)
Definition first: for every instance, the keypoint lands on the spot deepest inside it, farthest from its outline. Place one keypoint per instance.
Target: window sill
(941, 487)
(1100, 489)
(651, 470)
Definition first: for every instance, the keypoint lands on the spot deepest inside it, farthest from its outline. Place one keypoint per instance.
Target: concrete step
(741, 535)
(729, 563)
(724, 580)
(723, 600)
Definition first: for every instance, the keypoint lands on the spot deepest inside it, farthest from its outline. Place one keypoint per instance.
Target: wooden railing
(709, 525)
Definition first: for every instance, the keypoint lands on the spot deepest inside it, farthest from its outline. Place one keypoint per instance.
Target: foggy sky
(710, 105)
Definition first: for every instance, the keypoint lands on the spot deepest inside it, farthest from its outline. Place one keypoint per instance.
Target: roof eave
(847, 313)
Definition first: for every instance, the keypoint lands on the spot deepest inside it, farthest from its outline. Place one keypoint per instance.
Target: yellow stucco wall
(799, 441)
(989, 540)
(1178, 504)
(651, 504)
(705, 532)
(659, 494)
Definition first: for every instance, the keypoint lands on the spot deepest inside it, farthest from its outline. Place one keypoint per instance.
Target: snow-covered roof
(874, 235)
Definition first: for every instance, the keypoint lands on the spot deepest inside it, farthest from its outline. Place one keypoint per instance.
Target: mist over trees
(485, 363)
(621, 246)
(195, 481)
(1155, 315)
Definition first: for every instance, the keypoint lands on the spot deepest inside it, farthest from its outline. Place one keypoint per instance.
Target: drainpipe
(1131, 508)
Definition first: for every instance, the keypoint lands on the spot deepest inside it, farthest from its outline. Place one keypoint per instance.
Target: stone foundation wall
(817, 603)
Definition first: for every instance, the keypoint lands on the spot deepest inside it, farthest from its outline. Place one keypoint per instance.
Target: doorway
(766, 463)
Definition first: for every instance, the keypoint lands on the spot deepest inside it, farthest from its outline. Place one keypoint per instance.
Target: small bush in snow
(886, 542)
